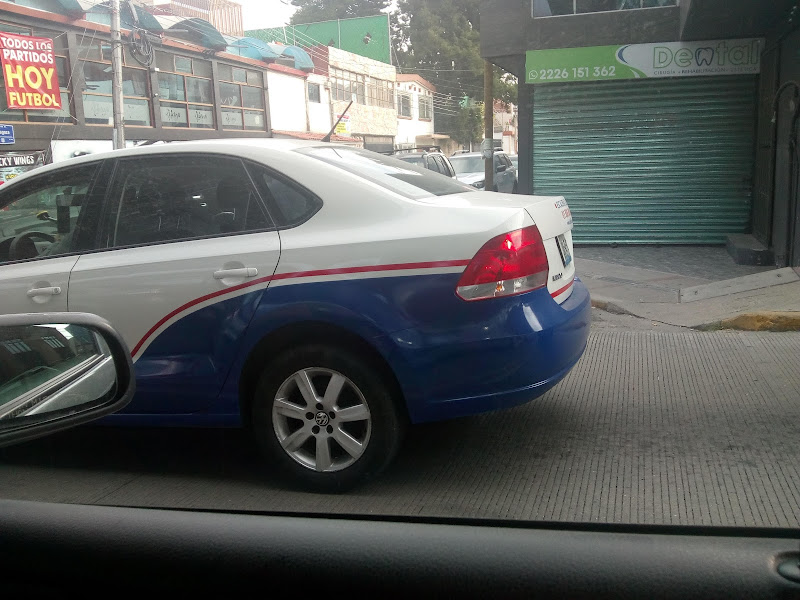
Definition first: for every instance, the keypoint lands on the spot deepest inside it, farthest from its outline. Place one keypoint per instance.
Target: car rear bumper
(496, 359)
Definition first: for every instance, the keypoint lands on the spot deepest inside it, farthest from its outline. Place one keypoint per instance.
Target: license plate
(563, 249)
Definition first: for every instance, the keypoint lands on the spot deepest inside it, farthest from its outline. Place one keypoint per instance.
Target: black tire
(386, 422)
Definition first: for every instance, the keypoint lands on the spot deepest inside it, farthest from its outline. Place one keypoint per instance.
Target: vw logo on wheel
(321, 419)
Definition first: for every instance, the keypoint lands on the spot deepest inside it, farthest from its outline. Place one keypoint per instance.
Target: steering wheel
(22, 246)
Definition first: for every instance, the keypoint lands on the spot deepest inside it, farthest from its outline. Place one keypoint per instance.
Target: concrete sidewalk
(762, 300)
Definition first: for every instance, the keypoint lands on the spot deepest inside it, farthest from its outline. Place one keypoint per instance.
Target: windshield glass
(609, 334)
(393, 174)
(467, 164)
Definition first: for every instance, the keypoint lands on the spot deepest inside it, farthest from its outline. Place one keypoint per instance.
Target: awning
(268, 52)
(253, 48)
(200, 32)
(302, 60)
(69, 8)
(143, 20)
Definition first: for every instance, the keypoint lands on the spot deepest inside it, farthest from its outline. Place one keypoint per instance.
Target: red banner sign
(29, 70)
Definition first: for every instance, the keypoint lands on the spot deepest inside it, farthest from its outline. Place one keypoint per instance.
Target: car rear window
(467, 164)
(414, 160)
(391, 173)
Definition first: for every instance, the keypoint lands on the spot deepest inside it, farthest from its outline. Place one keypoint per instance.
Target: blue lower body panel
(503, 361)
(451, 358)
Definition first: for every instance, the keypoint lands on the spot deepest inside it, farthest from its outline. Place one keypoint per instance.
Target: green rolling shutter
(648, 161)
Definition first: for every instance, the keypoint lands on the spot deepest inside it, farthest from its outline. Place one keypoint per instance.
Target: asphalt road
(656, 425)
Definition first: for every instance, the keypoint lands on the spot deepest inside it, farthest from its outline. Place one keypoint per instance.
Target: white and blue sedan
(322, 296)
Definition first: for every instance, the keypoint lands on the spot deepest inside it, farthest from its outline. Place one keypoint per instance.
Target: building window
(95, 59)
(16, 346)
(380, 93)
(62, 115)
(404, 104)
(552, 8)
(425, 107)
(346, 86)
(313, 92)
(183, 64)
(185, 100)
(241, 94)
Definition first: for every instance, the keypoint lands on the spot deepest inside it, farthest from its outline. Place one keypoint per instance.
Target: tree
(312, 11)
(441, 42)
(467, 125)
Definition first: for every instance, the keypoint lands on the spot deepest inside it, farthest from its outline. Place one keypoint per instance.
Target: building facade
(183, 90)
(370, 85)
(224, 15)
(505, 126)
(415, 121)
(654, 117)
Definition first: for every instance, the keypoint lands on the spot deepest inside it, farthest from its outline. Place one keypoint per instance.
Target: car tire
(308, 443)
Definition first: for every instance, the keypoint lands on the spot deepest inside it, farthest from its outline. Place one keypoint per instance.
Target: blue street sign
(7, 134)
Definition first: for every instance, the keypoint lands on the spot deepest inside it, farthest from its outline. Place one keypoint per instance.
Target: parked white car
(321, 295)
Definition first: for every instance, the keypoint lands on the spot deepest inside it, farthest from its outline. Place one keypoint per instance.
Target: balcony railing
(554, 8)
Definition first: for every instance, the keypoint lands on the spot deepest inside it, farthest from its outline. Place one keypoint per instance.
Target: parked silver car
(470, 170)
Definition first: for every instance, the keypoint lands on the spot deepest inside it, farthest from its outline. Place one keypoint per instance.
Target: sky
(258, 14)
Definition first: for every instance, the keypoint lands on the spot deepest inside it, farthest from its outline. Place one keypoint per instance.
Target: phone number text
(573, 73)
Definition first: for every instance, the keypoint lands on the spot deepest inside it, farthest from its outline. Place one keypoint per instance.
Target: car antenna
(327, 137)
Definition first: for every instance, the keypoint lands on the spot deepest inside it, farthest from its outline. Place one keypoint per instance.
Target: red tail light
(512, 263)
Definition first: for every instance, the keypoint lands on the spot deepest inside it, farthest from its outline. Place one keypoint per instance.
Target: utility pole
(488, 127)
(116, 77)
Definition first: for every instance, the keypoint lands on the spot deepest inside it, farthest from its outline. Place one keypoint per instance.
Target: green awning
(200, 32)
(144, 18)
(68, 8)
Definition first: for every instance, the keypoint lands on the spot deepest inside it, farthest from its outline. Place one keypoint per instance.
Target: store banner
(29, 72)
(13, 164)
(639, 61)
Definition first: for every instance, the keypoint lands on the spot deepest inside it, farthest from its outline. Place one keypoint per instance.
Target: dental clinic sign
(29, 72)
(640, 61)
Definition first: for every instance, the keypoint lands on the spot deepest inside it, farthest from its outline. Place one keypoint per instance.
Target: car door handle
(243, 272)
(44, 291)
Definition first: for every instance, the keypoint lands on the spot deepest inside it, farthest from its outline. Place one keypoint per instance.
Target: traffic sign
(7, 134)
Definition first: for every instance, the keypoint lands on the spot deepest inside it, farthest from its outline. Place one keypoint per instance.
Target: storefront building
(193, 84)
(653, 117)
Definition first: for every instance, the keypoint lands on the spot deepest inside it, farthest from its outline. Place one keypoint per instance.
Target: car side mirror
(57, 371)
(500, 168)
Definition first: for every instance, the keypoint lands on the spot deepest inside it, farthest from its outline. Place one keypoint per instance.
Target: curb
(611, 307)
(757, 321)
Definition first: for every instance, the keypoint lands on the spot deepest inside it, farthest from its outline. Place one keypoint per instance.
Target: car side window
(157, 199)
(289, 204)
(442, 165)
(40, 217)
(431, 163)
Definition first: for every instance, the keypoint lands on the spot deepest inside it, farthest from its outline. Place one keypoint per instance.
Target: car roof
(477, 153)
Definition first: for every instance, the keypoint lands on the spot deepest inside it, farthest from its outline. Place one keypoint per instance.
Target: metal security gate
(648, 161)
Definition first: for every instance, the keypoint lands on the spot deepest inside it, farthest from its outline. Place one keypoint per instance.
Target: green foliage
(467, 125)
(437, 39)
(441, 42)
(313, 11)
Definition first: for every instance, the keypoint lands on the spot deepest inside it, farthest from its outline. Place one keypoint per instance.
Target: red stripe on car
(318, 273)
